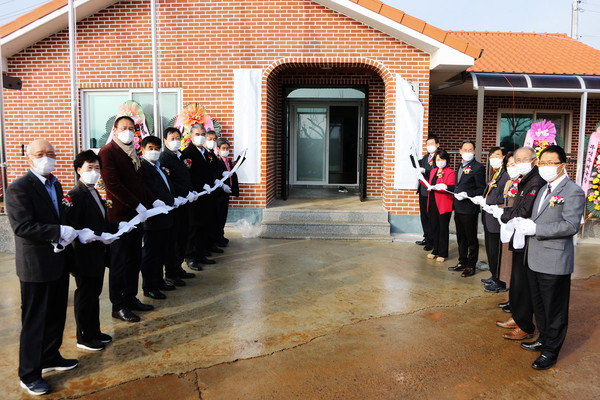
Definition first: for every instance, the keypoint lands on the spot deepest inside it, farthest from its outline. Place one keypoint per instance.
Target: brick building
(325, 77)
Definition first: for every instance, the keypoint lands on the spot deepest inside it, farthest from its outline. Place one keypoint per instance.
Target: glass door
(311, 145)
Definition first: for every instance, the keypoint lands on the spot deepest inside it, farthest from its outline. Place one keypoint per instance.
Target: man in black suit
(181, 182)
(89, 259)
(196, 158)
(216, 172)
(157, 239)
(427, 163)
(470, 181)
(35, 207)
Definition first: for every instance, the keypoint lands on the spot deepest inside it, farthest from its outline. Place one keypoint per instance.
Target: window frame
(84, 93)
(535, 111)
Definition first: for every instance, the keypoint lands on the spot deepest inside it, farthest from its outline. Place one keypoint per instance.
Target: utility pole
(574, 19)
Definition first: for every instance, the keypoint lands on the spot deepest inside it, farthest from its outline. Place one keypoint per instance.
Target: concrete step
(379, 238)
(325, 215)
(322, 227)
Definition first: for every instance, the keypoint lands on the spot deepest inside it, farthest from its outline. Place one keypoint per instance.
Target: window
(513, 127)
(99, 108)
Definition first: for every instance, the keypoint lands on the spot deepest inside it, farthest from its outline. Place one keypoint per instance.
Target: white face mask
(174, 145)
(90, 177)
(210, 144)
(467, 156)
(224, 153)
(152, 155)
(125, 136)
(199, 140)
(548, 173)
(524, 168)
(431, 149)
(43, 165)
(496, 162)
(440, 164)
(513, 172)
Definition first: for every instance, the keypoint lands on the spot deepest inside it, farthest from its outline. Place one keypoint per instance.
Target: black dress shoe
(421, 242)
(543, 362)
(139, 306)
(175, 281)
(468, 271)
(194, 266)
(125, 315)
(223, 242)
(37, 387)
(167, 287)
(503, 304)
(104, 338)
(428, 247)
(204, 260)
(536, 345)
(457, 267)
(494, 287)
(186, 275)
(215, 249)
(487, 281)
(507, 309)
(155, 294)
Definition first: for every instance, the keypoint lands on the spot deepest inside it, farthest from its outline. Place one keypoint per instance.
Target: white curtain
(408, 135)
(247, 98)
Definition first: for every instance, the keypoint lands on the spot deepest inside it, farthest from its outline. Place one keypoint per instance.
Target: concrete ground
(300, 319)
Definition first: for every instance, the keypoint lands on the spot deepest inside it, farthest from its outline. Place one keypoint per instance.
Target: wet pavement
(301, 319)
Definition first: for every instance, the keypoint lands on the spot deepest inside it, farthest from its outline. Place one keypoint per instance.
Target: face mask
(224, 153)
(174, 145)
(125, 136)
(440, 164)
(43, 165)
(496, 162)
(524, 168)
(513, 172)
(199, 140)
(90, 177)
(467, 156)
(210, 144)
(548, 173)
(152, 155)
(431, 149)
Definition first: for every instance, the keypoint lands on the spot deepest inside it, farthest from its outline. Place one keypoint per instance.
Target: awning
(536, 83)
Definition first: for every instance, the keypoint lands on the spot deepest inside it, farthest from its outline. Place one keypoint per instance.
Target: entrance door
(325, 143)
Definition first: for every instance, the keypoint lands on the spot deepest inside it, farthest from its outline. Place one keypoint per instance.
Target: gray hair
(198, 126)
(529, 149)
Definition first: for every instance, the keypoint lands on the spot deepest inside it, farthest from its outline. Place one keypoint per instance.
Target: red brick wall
(199, 49)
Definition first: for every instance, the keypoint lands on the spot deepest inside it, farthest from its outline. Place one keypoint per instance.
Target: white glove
(461, 196)
(226, 188)
(190, 197)
(441, 186)
(67, 234)
(158, 203)
(207, 189)
(498, 212)
(489, 208)
(86, 235)
(218, 183)
(479, 200)
(108, 238)
(141, 210)
(526, 227)
(422, 170)
(226, 174)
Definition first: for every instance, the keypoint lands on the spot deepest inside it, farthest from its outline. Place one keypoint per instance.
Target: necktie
(460, 172)
(548, 191)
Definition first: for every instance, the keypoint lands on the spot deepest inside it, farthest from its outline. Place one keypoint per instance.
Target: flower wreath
(134, 110)
(593, 163)
(192, 114)
(541, 135)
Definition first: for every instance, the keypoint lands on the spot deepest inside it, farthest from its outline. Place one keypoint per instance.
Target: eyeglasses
(548, 163)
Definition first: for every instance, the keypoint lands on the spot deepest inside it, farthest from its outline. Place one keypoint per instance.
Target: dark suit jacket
(200, 172)
(157, 185)
(494, 197)
(179, 174)
(424, 163)
(36, 225)
(231, 182)
(88, 259)
(473, 184)
(124, 185)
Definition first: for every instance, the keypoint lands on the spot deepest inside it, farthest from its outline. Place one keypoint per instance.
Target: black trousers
(425, 222)
(222, 203)
(439, 229)
(155, 253)
(550, 298)
(43, 314)
(179, 234)
(197, 240)
(466, 236)
(494, 252)
(124, 272)
(519, 293)
(87, 306)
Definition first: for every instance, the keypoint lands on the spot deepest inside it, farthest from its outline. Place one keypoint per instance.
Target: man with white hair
(36, 210)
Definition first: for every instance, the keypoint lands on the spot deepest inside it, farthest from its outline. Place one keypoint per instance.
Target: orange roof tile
(534, 53)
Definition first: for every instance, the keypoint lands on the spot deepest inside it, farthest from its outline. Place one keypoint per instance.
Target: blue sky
(506, 15)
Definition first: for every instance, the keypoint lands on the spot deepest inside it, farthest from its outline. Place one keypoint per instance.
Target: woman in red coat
(440, 204)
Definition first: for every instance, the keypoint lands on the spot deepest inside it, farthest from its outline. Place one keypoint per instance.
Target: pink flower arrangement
(543, 131)
(556, 200)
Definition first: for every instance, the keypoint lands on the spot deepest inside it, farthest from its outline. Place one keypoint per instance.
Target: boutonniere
(440, 173)
(67, 201)
(107, 203)
(467, 170)
(166, 170)
(556, 200)
(512, 192)
(210, 158)
(431, 162)
(187, 162)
